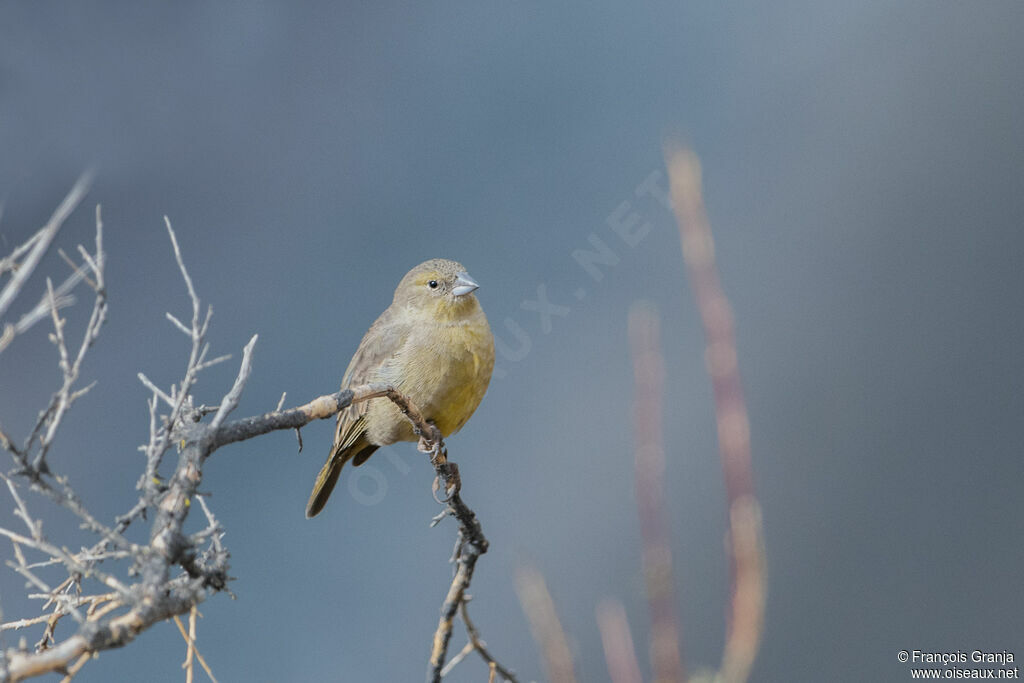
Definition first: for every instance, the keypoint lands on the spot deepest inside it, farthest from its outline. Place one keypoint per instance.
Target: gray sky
(864, 175)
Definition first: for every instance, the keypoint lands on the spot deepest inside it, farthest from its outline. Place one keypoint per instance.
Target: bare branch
(214, 361)
(617, 642)
(157, 391)
(76, 667)
(75, 268)
(466, 650)
(649, 457)
(173, 573)
(230, 400)
(180, 325)
(746, 616)
(10, 262)
(42, 309)
(319, 408)
(8, 444)
(192, 650)
(41, 242)
(104, 635)
(547, 631)
(184, 274)
(51, 417)
(477, 643)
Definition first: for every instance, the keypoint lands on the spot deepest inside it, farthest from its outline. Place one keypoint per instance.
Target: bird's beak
(464, 284)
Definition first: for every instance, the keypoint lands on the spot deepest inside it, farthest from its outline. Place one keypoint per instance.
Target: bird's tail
(329, 473)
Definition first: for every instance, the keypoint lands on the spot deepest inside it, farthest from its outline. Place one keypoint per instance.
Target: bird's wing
(380, 343)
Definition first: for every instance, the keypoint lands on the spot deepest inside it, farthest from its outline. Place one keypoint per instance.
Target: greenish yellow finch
(434, 345)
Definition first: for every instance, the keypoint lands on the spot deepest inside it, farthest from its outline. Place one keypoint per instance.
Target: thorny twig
(173, 573)
(471, 544)
(37, 245)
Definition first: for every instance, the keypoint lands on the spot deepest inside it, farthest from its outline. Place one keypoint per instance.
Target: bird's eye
(432, 284)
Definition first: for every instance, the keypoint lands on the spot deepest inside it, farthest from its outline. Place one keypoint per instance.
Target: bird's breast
(445, 369)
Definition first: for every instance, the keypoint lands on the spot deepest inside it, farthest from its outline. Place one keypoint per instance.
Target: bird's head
(439, 288)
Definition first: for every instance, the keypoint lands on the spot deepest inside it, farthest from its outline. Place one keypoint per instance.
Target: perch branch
(172, 573)
(169, 547)
(471, 544)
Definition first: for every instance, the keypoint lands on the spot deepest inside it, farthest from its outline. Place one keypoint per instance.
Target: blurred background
(864, 177)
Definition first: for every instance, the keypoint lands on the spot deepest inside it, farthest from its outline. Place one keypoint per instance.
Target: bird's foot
(448, 472)
(433, 444)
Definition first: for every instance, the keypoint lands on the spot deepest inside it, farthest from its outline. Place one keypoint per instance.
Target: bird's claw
(452, 480)
(450, 491)
(432, 443)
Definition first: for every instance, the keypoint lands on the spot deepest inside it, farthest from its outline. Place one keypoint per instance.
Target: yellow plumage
(433, 343)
